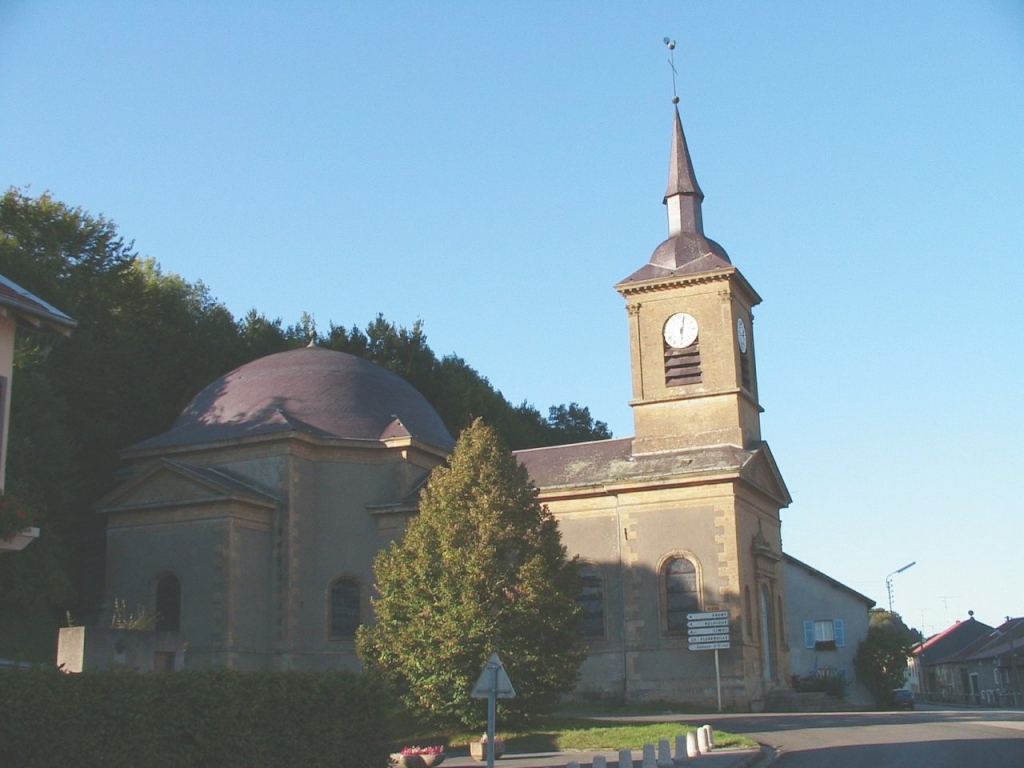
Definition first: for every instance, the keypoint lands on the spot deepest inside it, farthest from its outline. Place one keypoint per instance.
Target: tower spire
(683, 195)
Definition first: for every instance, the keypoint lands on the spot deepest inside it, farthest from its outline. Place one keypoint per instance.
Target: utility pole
(888, 580)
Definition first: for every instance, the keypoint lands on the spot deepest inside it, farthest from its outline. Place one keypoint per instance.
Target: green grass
(576, 733)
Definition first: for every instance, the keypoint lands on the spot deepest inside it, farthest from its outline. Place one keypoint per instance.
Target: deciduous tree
(881, 660)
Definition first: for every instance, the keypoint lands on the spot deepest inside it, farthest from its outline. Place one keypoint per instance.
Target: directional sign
(707, 614)
(707, 631)
(710, 646)
(493, 681)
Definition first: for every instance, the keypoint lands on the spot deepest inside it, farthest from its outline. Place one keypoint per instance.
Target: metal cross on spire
(672, 64)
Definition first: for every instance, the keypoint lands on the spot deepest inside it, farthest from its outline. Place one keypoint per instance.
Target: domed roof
(312, 390)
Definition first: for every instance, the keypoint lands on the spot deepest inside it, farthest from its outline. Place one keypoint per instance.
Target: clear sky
(493, 169)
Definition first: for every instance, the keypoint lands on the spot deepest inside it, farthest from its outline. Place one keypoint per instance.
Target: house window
(681, 595)
(824, 634)
(345, 609)
(168, 604)
(591, 602)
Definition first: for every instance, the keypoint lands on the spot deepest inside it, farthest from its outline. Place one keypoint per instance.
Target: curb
(762, 759)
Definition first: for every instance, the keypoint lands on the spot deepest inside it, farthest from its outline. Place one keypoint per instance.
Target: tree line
(146, 342)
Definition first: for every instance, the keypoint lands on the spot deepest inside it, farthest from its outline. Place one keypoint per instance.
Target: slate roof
(313, 391)
(612, 461)
(946, 645)
(1007, 637)
(30, 308)
(689, 251)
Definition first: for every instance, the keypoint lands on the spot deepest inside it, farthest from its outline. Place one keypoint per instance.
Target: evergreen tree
(480, 569)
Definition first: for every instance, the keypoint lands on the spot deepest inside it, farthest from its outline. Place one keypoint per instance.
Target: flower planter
(423, 760)
(20, 540)
(478, 749)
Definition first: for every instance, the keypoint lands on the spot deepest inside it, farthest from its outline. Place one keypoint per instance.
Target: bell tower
(691, 332)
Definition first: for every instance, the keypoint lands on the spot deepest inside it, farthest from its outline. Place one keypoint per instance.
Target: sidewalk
(719, 758)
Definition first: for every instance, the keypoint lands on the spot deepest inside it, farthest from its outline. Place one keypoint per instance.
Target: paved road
(929, 738)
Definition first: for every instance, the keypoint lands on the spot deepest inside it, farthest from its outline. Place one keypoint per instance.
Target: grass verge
(556, 734)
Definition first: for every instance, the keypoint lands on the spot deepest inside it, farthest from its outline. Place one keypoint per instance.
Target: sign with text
(707, 630)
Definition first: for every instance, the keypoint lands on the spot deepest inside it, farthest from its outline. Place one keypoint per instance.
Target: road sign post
(493, 684)
(709, 631)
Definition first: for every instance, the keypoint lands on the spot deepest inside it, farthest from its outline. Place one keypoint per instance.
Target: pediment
(761, 471)
(169, 483)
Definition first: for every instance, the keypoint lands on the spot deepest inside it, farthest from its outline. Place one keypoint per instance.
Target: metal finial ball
(675, 99)
(672, 45)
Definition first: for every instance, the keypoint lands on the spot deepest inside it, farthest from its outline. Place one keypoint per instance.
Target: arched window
(168, 603)
(344, 609)
(681, 592)
(591, 602)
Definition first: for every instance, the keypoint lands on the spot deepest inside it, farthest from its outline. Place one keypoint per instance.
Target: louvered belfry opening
(682, 366)
(745, 371)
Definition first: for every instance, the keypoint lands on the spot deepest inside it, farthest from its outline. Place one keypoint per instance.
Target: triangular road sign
(493, 681)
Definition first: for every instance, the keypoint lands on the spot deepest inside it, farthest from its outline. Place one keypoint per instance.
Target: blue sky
(494, 169)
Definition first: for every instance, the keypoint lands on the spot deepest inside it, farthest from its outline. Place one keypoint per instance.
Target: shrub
(192, 718)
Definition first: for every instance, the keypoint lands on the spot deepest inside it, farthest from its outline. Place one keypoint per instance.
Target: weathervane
(672, 63)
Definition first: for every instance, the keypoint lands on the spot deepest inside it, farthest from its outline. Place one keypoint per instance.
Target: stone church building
(252, 524)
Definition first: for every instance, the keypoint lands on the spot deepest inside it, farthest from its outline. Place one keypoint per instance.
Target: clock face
(741, 334)
(680, 330)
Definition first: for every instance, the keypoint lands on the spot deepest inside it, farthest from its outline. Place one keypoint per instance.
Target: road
(927, 738)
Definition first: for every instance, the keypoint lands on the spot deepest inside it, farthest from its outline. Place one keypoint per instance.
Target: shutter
(809, 634)
(840, 633)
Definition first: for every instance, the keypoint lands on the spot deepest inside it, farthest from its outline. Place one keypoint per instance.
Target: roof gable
(762, 472)
(168, 483)
(814, 572)
(31, 309)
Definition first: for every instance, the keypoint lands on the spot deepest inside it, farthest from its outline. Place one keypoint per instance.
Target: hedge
(191, 719)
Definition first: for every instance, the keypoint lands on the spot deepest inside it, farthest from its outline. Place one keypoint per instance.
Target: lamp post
(888, 581)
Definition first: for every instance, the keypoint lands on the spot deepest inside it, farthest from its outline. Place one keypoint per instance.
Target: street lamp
(888, 581)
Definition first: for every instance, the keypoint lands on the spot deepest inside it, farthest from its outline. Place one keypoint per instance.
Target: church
(250, 527)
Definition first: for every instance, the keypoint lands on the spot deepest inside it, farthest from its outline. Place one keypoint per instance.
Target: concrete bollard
(702, 741)
(681, 756)
(664, 754)
(691, 744)
(650, 761)
(625, 758)
(573, 764)
(711, 735)
(599, 762)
